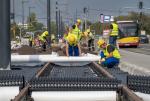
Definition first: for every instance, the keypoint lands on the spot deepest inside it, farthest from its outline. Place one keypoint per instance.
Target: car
(144, 39)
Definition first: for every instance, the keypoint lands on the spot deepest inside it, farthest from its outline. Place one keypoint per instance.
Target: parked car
(144, 39)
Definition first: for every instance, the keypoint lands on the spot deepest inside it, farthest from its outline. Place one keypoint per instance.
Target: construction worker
(90, 40)
(113, 33)
(43, 40)
(76, 30)
(72, 46)
(30, 41)
(110, 55)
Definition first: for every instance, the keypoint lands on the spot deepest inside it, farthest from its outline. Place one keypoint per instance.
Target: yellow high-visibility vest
(42, 37)
(77, 32)
(116, 53)
(114, 30)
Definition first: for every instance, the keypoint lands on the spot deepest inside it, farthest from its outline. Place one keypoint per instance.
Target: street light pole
(57, 20)
(23, 2)
(13, 11)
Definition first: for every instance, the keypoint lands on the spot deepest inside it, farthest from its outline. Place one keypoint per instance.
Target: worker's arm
(67, 50)
(79, 49)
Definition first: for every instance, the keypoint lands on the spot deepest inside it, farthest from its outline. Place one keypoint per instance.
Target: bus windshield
(128, 30)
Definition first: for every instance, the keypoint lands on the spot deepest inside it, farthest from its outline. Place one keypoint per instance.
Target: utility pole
(76, 14)
(57, 20)
(4, 34)
(85, 10)
(23, 2)
(13, 11)
(141, 13)
(59, 23)
(49, 19)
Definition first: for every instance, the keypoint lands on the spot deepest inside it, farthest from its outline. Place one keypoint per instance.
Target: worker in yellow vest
(90, 40)
(30, 41)
(110, 56)
(113, 33)
(76, 30)
(43, 40)
(72, 46)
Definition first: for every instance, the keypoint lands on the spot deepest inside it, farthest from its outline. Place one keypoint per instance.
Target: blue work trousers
(109, 62)
(73, 50)
(112, 40)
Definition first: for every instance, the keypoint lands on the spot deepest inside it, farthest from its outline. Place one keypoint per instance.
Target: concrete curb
(133, 69)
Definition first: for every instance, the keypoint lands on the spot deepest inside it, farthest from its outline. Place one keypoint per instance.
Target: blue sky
(70, 7)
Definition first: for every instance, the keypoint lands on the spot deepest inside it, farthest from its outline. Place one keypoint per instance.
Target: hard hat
(71, 38)
(88, 30)
(46, 33)
(100, 42)
(79, 20)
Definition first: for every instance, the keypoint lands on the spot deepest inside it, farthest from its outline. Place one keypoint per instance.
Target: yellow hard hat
(46, 33)
(79, 20)
(88, 30)
(71, 38)
(100, 42)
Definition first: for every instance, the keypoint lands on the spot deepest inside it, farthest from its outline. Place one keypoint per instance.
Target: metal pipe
(52, 58)
(74, 96)
(41, 71)
(23, 92)
(103, 71)
(131, 95)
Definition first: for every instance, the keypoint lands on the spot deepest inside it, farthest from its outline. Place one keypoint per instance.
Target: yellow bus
(128, 33)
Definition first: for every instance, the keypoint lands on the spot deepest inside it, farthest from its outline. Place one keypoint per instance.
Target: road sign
(106, 18)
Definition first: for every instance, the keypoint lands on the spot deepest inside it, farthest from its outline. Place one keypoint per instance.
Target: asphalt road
(135, 63)
(142, 49)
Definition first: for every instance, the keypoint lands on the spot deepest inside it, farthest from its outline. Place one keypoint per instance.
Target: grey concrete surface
(135, 63)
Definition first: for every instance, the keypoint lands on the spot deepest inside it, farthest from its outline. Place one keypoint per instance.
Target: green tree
(33, 24)
(14, 30)
(144, 20)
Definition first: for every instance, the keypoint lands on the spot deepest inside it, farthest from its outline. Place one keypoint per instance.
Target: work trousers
(109, 62)
(91, 44)
(73, 50)
(112, 40)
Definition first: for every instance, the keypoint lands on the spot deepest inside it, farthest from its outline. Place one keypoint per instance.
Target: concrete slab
(135, 63)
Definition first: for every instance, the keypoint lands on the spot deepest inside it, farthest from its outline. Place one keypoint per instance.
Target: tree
(33, 24)
(144, 20)
(14, 30)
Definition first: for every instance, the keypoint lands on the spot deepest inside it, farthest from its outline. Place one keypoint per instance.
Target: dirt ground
(27, 50)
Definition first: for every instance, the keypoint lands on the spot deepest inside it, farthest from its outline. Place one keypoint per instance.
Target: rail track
(88, 77)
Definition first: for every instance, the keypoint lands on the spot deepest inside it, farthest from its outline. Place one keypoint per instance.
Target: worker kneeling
(43, 39)
(110, 55)
(72, 46)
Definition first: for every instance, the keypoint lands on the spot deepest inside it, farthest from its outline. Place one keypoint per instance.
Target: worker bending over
(76, 30)
(43, 39)
(110, 55)
(72, 46)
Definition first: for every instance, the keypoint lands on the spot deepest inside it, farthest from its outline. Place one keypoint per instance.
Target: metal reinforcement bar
(125, 89)
(42, 70)
(25, 90)
(103, 71)
(22, 93)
